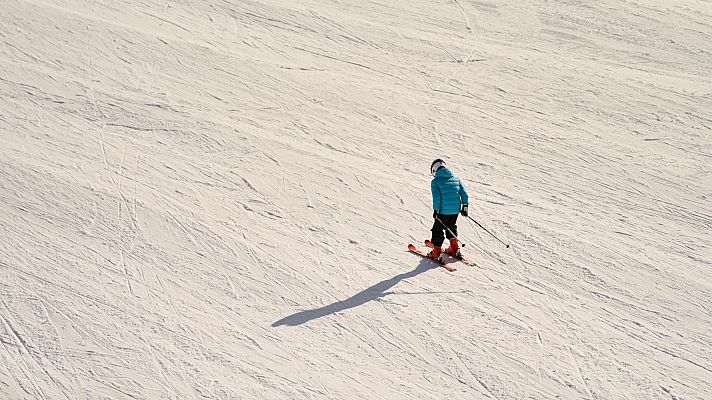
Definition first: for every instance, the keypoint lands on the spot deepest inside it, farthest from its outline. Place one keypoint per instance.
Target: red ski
(463, 259)
(419, 252)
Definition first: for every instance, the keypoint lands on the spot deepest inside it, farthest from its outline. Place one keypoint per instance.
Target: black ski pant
(438, 230)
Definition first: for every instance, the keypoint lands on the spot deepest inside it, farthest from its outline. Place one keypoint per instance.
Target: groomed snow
(212, 199)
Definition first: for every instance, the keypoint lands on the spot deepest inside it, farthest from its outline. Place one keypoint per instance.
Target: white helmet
(436, 165)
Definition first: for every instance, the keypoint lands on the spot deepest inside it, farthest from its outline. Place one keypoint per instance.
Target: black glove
(464, 210)
(435, 214)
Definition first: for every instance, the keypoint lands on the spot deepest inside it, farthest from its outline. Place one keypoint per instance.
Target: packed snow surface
(212, 199)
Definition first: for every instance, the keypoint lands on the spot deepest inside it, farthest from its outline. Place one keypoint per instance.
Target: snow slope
(212, 199)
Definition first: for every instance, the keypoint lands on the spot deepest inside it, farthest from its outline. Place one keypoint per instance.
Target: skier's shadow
(372, 293)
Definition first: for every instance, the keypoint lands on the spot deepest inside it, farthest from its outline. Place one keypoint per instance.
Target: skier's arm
(464, 198)
(436, 195)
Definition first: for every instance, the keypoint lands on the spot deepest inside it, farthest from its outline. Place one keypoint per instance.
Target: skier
(449, 199)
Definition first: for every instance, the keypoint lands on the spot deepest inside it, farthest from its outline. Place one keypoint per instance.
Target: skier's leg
(451, 222)
(437, 237)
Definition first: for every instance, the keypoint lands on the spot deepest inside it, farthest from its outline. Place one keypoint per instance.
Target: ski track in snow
(213, 199)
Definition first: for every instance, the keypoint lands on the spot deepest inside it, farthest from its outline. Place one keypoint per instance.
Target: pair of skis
(441, 262)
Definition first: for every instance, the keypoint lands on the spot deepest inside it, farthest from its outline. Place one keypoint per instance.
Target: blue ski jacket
(448, 192)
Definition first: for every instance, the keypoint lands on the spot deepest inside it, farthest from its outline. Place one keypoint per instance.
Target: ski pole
(478, 224)
(451, 232)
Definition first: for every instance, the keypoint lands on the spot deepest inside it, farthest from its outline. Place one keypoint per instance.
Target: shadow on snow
(372, 293)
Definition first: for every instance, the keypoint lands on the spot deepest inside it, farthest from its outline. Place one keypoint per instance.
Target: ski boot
(454, 249)
(435, 253)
